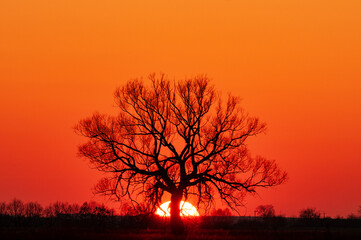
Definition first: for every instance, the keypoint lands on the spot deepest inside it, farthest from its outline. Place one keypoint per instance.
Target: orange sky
(296, 64)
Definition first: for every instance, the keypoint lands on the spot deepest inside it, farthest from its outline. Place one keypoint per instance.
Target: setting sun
(187, 209)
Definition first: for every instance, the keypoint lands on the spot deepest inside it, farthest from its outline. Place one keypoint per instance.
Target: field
(116, 227)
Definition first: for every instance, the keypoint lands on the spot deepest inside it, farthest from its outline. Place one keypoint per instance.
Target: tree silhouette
(3, 208)
(59, 208)
(221, 212)
(265, 211)
(310, 213)
(32, 209)
(93, 208)
(177, 137)
(15, 208)
(128, 210)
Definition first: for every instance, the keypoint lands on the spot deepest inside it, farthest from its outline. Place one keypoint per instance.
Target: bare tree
(49, 211)
(310, 213)
(59, 208)
(74, 208)
(177, 137)
(3, 208)
(15, 208)
(93, 208)
(128, 210)
(265, 211)
(221, 212)
(32, 209)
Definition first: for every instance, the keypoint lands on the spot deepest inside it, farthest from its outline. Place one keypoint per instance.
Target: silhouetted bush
(93, 208)
(221, 212)
(265, 211)
(310, 213)
(2, 208)
(15, 208)
(128, 209)
(58, 208)
(33, 209)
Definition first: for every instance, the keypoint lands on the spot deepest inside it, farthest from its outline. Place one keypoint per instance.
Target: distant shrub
(58, 208)
(221, 212)
(15, 208)
(2, 208)
(93, 208)
(136, 210)
(266, 211)
(33, 209)
(355, 216)
(310, 213)
(352, 216)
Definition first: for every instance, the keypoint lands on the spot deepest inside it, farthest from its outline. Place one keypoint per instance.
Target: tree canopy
(181, 137)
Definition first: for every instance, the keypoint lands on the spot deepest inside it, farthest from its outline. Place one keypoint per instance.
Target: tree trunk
(176, 222)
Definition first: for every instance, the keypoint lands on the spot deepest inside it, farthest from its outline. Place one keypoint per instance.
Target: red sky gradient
(296, 64)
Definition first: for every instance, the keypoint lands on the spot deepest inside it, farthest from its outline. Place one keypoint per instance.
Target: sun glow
(187, 209)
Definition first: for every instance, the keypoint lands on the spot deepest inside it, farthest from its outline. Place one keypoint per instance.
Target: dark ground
(107, 227)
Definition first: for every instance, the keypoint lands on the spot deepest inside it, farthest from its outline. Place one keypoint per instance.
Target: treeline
(18, 208)
(268, 211)
(90, 220)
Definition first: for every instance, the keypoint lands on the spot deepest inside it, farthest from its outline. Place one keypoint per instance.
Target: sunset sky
(295, 63)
